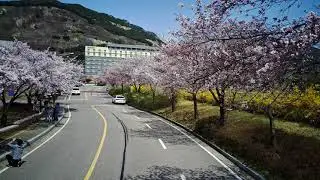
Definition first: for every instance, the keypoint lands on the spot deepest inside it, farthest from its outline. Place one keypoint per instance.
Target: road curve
(106, 141)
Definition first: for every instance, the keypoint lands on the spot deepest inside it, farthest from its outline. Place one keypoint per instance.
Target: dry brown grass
(245, 135)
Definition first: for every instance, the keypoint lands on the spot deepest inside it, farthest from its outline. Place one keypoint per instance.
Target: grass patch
(18, 111)
(245, 135)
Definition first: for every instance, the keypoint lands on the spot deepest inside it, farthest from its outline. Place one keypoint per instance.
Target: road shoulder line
(47, 140)
(248, 170)
(162, 144)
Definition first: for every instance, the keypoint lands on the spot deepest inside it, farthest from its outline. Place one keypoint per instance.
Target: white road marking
(85, 96)
(138, 117)
(162, 144)
(212, 155)
(183, 177)
(79, 99)
(69, 97)
(26, 155)
(125, 111)
(148, 126)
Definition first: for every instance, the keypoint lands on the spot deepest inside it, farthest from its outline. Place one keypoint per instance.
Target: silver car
(119, 99)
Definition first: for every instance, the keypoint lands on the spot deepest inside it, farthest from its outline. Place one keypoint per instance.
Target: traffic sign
(11, 92)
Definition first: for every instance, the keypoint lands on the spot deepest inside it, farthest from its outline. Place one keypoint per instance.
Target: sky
(157, 16)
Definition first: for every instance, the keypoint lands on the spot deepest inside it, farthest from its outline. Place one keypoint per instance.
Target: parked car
(75, 91)
(119, 99)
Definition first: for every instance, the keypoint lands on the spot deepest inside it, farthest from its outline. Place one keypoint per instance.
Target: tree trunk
(135, 87)
(153, 98)
(173, 100)
(153, 95)
(122, 88)
(220, 99)
(4, 120)
(271, 127)
(222, 107)
(41, 107)
(139, 88)
(195, 106)
(54, 98)
(234, 94)
(29, 99)
(4, 115)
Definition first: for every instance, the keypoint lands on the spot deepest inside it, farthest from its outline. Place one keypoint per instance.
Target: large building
(97, 59)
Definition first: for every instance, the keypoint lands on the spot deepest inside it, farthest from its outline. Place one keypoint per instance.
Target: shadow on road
(174, 173)
(140, 114)
(163, 131)
(73, 109)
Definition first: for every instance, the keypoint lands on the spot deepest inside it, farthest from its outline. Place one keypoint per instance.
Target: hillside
(65, 27)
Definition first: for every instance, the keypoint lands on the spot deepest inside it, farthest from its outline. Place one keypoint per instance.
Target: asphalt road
(99, 140)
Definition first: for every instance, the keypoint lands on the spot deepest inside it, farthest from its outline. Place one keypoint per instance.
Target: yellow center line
(96, 157)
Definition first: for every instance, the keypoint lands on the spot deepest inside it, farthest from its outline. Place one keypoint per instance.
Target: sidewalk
(26, 133)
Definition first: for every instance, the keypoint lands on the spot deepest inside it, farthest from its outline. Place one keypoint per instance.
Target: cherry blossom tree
(169, 79)
(243, 48)
(15, 73)
(120, 73)
(188, 63)
(23, 70)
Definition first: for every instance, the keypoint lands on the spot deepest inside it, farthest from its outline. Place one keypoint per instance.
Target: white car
(119, 99)
(75, 91)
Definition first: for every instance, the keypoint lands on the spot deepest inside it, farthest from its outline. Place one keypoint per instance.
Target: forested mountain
(66, 27)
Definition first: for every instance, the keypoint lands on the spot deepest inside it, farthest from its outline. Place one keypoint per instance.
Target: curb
(243, 167)
(35, 138)
(32, 140)
(19, 123)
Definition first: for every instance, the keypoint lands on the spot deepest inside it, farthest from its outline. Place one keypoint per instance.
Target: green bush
(295, 106)
(298, 106)
(118, 90)
(144, 99)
